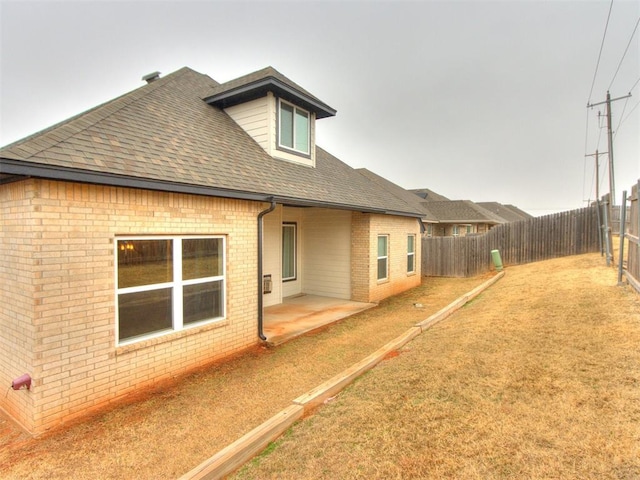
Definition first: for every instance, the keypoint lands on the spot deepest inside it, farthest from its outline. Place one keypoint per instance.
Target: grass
(537, 378)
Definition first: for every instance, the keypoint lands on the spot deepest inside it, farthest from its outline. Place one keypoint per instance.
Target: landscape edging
(236, 454)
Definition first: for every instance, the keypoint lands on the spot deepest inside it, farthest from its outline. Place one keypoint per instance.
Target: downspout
(422, 227)
(260, 248)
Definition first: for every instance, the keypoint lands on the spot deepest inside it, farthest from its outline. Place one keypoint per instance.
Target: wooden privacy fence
(540, 238)
(631, 233)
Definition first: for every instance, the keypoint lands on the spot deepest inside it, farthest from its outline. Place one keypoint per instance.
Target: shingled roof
(428, 195)
(462, 211)
(398, 191)
(508, 212)
(164, 136)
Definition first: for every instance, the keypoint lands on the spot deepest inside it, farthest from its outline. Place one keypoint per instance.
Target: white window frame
(411, 254)
(177, 285)
(295, 250)
(382, 257)
(456, 231)
(293, 148)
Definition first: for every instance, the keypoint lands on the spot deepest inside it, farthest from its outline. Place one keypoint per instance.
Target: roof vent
(151, 77)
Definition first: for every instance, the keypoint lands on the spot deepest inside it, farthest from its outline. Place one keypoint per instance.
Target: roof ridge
(485, 211)
(66, 127)
(268, 71)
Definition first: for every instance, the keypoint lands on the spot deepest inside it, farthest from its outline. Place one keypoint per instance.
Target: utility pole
(597, 172)
(612, 186)
(612, 182)
(600, 226)
(597, 176)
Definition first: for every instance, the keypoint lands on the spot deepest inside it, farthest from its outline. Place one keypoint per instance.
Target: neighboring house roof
(507, 212)
(520, 212)
(428, 195)
(163, 136)
(462, 211)
(401, 193)
(257, 84)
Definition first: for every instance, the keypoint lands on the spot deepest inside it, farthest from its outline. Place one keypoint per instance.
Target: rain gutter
(271, 208)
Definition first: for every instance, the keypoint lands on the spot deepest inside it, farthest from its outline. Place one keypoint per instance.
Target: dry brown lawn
(536, 378)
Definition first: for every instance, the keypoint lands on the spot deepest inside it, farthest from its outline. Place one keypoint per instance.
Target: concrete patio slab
(304, 313)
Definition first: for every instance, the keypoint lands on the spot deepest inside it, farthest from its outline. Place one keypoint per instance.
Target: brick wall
(18, 233)
(364, 252)
(360, 259)
(58, 286)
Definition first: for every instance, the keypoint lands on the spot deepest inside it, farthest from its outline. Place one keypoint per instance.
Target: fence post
(638, 212)
(599, 227)
(623, 218)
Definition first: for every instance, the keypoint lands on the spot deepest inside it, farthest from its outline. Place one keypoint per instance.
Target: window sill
(170, 337)
(292, 151)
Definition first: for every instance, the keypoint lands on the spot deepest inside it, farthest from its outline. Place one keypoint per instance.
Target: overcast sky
(478, 100)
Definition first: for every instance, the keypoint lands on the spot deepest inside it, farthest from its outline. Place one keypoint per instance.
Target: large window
(168, 284)
(411, 254)
(383, 257)
(289, 248)
(294, 128)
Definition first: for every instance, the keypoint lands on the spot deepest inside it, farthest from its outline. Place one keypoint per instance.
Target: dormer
(279, 114)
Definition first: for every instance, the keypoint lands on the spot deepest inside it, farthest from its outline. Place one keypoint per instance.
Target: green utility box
(497, 261)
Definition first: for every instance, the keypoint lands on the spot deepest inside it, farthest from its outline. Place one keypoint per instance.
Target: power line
(621, 115)
(600, 54)
(624, 54)
(628, 115)
(634, 85)
(610, 143)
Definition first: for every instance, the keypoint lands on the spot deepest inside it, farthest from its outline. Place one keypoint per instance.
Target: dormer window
(294, 128)
(278, 114)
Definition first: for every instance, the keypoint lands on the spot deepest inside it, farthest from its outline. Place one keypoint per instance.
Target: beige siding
(57, 288)
(273, 133)
(294, 215)
(259, 119)
(327, 248)
(272, 253)
(253, 117)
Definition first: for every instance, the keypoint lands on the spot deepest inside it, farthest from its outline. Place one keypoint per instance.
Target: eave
(15, 170)
(260, 88)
